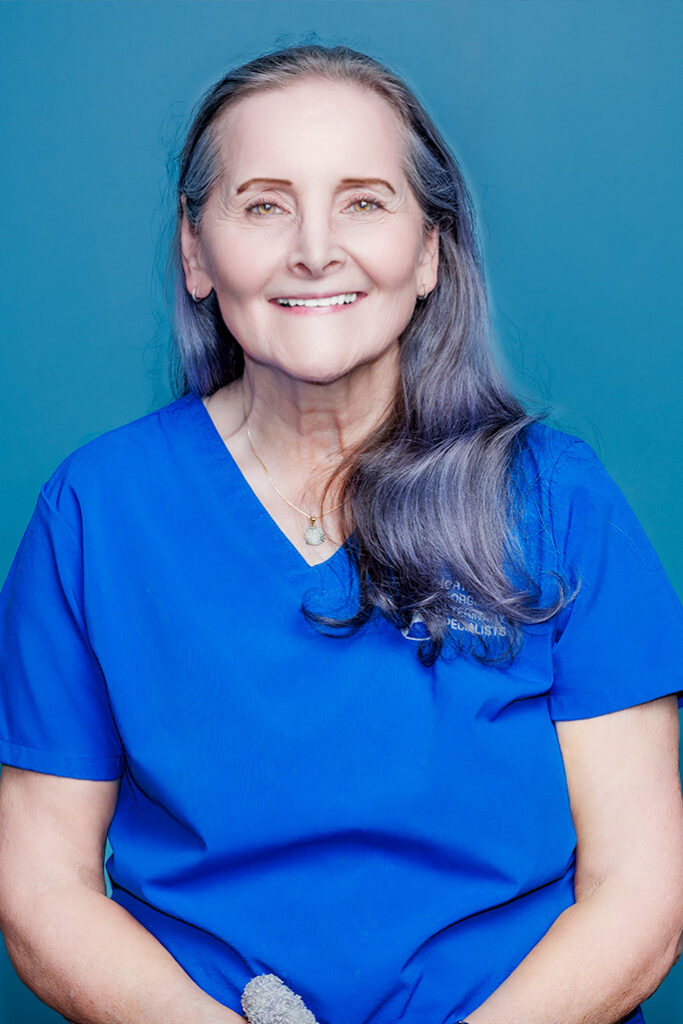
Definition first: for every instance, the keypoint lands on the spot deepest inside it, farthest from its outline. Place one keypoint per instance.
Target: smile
(331, 303)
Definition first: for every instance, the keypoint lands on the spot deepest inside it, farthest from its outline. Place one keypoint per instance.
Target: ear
(428, 263)
(193, 262)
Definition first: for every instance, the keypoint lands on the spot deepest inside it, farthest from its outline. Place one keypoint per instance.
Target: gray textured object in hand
(267, 1000)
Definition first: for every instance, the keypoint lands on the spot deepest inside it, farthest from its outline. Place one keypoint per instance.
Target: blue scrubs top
(391, 840)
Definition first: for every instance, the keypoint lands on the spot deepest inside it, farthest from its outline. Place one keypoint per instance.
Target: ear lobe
(191, 254)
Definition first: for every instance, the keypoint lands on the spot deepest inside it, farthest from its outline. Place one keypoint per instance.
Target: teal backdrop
(563, 115)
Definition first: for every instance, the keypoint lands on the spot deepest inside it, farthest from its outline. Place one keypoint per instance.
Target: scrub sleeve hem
(53, 762)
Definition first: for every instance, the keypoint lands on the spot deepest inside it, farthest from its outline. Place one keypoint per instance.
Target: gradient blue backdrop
(563, 115)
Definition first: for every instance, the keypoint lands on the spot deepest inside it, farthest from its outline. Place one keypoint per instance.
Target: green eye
(268, 206)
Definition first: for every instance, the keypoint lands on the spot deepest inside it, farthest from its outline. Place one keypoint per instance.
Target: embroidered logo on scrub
(477, 622)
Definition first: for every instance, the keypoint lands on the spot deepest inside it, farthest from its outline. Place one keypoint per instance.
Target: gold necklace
(314, 534)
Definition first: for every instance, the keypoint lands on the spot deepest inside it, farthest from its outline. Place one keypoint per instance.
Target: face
(322, 229)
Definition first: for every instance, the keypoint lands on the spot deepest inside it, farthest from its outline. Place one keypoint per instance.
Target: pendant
(314, 534)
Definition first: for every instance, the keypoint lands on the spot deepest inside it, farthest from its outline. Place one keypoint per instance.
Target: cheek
(243, 265)
(392, 259)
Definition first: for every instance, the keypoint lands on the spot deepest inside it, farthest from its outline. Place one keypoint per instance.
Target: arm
(612, 948)
(78, 950)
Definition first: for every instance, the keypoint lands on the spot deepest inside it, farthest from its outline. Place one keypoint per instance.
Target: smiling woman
(350, 625)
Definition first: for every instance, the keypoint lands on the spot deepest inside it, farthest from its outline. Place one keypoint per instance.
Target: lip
(318, 310)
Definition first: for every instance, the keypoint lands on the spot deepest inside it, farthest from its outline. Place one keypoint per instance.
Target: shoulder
(585, 513)
(551, 466)
(547, 449)
(569, 508)
(113, 462)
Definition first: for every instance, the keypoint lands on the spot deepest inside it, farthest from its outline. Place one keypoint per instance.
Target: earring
(424, 295)
(194, 294)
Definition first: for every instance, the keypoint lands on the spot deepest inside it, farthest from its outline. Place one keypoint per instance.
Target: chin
(316, 372)
(318, 376)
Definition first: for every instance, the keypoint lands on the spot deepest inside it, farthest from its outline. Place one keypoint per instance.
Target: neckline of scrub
(235, 478)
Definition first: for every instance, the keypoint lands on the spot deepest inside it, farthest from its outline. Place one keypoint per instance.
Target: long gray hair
(429, 494)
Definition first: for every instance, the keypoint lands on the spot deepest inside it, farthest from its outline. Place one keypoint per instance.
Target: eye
(367, 199)
(261, 202)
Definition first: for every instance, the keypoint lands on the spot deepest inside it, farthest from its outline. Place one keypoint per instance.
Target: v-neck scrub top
(389, 839)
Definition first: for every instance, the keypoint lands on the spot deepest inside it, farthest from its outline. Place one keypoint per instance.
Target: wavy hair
(444, 455)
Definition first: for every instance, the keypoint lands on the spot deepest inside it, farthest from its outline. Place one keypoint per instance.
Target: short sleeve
(55, 714)
(620, 641)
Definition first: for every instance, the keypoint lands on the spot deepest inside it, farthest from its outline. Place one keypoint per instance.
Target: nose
(315, 245)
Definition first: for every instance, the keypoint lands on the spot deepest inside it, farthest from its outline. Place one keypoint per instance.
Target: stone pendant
(314, 534)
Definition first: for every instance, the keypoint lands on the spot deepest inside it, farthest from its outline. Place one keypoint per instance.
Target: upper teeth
(333, 300)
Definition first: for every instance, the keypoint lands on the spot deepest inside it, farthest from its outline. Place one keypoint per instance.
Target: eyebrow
(344, 181)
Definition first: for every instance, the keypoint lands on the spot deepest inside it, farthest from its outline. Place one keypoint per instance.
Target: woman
(371, 675)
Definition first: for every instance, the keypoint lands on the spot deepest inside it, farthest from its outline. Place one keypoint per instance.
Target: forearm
(599, 960)
(93, 962)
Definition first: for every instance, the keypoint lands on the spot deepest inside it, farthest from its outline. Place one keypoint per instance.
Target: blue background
(563, 116)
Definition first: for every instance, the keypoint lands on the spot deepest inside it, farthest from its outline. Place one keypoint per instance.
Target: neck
(309, 425)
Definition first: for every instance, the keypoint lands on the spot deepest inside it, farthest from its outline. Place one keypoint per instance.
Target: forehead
(311, 126)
